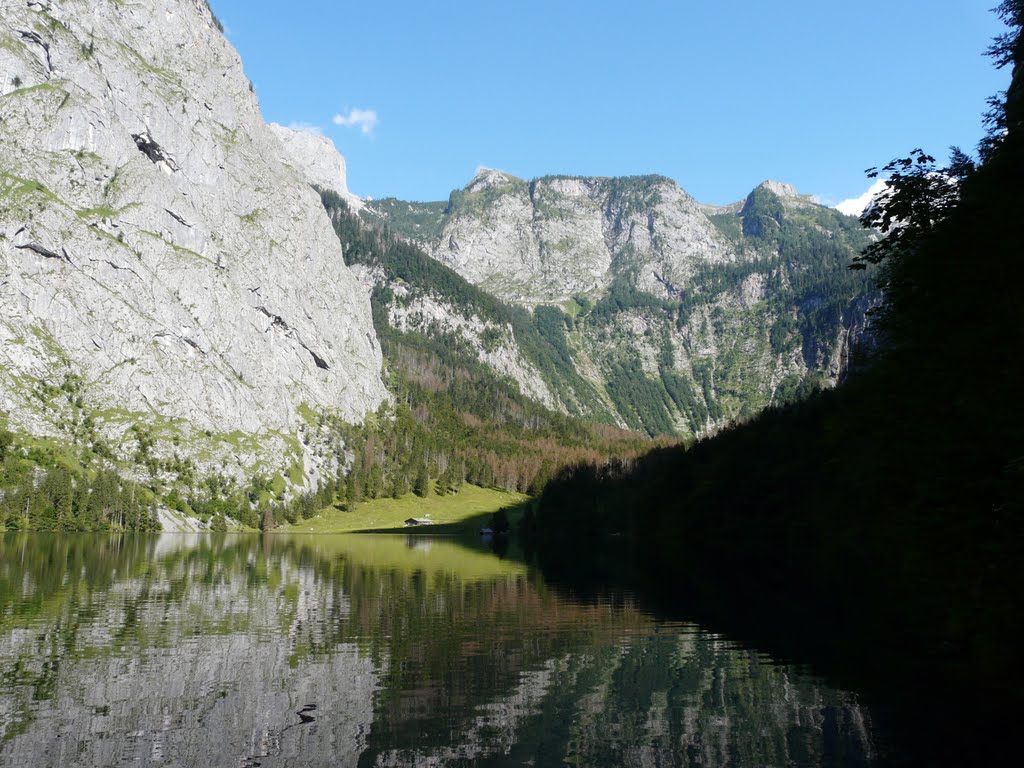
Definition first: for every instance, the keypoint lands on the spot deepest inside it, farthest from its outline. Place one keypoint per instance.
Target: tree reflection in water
(346, 650)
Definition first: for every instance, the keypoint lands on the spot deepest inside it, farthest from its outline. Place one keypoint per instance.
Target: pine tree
(422, 485)
(443, 486)
(375, 482)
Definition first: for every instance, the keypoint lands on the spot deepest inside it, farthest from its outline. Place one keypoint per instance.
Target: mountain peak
(489, 177)
(779, 188)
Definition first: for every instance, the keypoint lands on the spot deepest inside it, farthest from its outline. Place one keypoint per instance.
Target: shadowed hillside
(884, 518)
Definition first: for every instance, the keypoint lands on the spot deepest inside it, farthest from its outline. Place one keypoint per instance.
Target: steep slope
(676, 316)
(160, 260)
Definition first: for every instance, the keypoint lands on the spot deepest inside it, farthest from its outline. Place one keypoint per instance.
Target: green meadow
(468, 510)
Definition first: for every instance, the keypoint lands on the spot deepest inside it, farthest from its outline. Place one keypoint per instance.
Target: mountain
(461, 364)
(186, 335)
(667, 315)
(184, 346)
(170, 283)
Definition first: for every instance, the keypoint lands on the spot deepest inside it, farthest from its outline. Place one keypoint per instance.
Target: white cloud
(855, 205)
(316, 130)
(366, 119)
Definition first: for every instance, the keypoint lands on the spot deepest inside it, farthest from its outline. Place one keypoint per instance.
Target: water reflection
(375, 651)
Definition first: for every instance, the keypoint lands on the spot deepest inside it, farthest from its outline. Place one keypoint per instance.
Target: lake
(371, 650)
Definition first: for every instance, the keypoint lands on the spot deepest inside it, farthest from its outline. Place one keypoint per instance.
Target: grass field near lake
(467, 510)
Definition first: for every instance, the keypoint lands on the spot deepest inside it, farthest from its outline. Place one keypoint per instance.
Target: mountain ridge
(704, 313)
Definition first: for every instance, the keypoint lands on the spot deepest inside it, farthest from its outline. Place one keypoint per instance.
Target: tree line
(39, 493)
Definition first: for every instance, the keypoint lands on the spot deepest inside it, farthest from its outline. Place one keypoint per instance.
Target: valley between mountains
(202, 327)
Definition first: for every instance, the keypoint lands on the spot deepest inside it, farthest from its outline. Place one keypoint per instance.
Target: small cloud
(366, 119)
(855, 205)
(316, 130)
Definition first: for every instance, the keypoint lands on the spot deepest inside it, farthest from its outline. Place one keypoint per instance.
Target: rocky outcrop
(491, 344)
(556, 237)
(317, 159)
(785, 192)
(154, 244)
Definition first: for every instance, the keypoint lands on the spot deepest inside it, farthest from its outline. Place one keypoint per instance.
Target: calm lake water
(248, 650)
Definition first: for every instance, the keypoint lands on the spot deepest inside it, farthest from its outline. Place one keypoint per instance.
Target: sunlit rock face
(555, 237)
(491, 343)
(317, 159)
(154, 239)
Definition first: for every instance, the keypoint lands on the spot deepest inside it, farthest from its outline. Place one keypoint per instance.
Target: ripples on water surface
(373, 651)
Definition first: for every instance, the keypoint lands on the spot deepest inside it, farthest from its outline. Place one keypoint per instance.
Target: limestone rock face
(556, 237)
(492, 344)
(154, 242)
(780, 189)
(317, 159)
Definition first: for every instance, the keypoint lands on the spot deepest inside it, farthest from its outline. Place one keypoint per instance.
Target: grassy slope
(467, 510)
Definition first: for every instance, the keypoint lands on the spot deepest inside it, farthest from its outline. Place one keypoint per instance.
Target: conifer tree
(422, 485)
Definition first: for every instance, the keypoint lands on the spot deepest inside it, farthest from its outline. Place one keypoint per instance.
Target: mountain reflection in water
(244, 650)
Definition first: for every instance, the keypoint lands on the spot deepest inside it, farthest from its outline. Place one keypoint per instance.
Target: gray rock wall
(317, 159)
(152, 240)
(556, 237)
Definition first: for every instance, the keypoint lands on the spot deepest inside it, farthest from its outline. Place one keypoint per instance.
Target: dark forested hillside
(883, 520)
(41, 490)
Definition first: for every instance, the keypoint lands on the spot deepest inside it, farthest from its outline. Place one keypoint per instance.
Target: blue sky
(717, 95)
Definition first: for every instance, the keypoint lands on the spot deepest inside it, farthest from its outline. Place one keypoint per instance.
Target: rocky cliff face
(678, 317)
(491, 343)
(552, 238)
(317, 159)
(160, 255)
